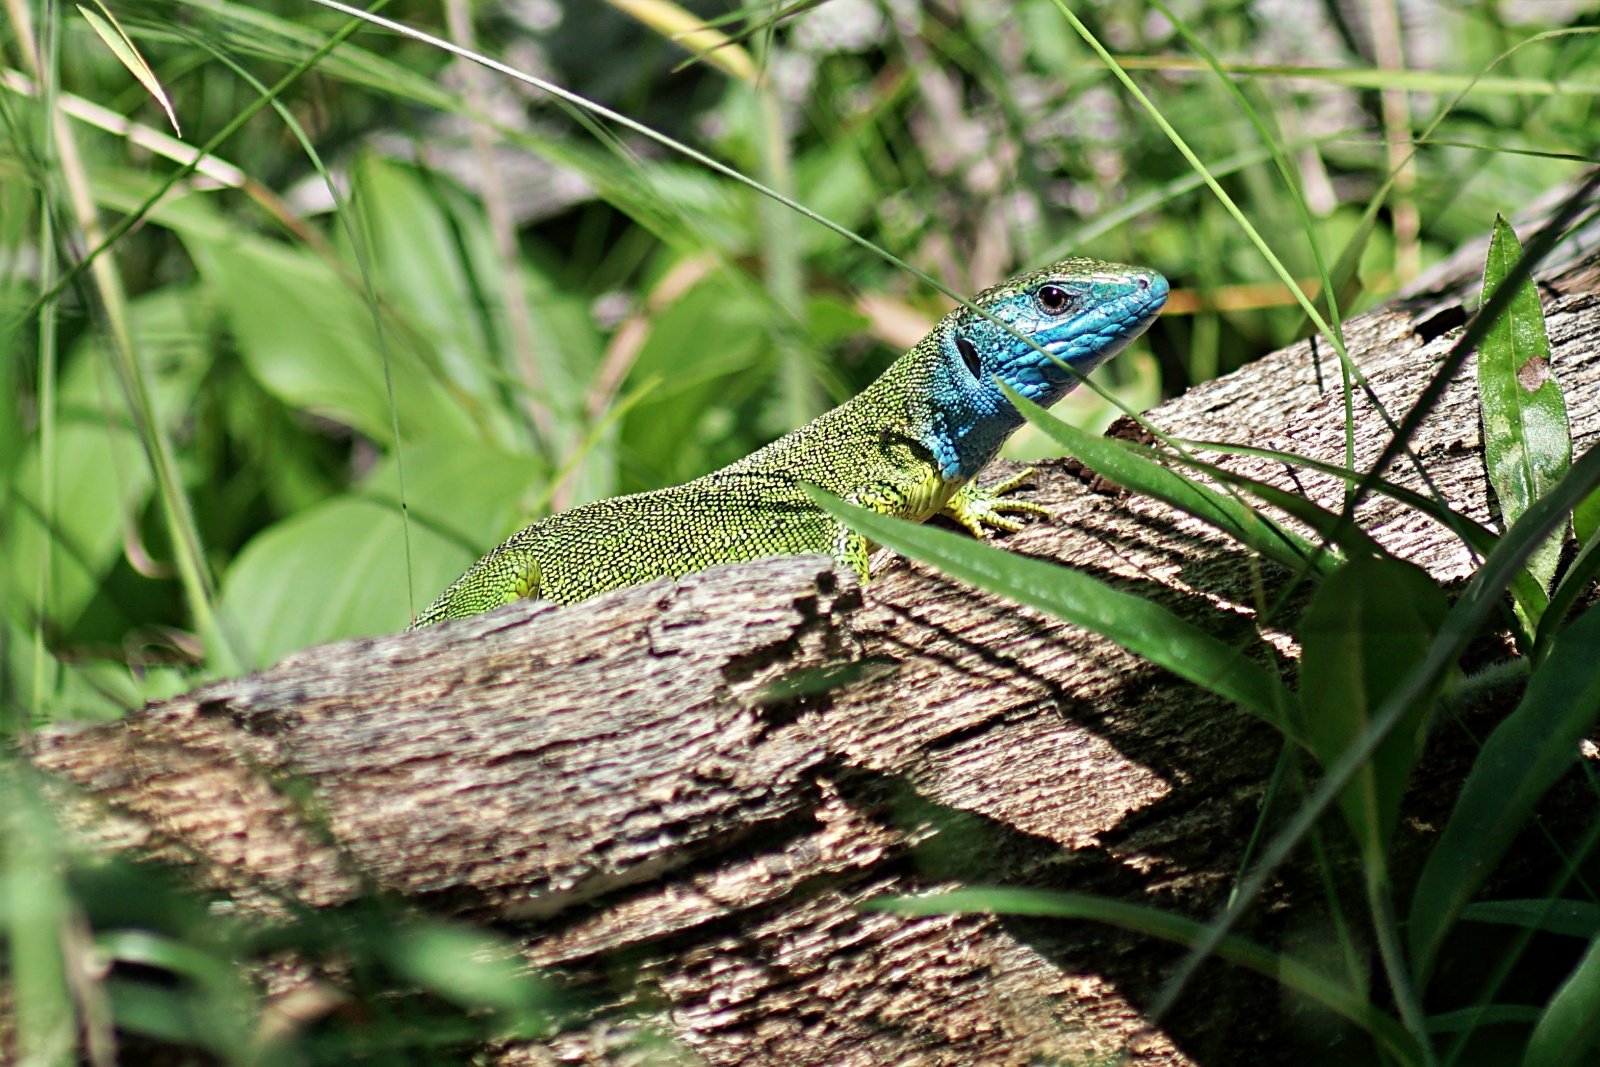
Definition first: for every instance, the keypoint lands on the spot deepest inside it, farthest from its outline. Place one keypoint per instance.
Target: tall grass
(270, 384)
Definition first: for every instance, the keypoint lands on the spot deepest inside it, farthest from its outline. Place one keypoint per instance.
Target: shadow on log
(699, 781)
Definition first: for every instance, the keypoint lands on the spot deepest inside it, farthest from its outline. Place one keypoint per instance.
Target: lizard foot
(975, 507)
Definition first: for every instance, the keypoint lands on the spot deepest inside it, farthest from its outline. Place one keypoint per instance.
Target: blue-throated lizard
(909, 445)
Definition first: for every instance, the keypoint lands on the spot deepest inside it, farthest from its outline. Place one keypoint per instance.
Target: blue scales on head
(1080, 311)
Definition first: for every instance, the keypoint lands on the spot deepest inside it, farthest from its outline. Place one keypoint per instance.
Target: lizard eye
(969, 356)
(1053, 299)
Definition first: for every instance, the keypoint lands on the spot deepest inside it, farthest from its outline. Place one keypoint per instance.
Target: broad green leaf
(307, 336)
(417, 265)
(1153, 922)
(709, 350)
(1519, 762)
(337, 570)
(1368, 627)
(1527, 442)
(102, 482)
(833, 180)
(105, 24)
(474, 494)
(1572, 918)
(1570, 1025)
(1118, 462)
(1142, 627)
(102, 479)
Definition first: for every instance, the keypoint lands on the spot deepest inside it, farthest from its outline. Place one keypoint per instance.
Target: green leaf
(417, 265)
(1142, 627)
(1574, 584)
(1124, 464)
(834, 181)
(1367, 628)
(1586, 519)
(681, 429)
(308, 338)
(1570, 1025)
(475, 494)
(1486, 1015)
(1571, 918)
(102, 478)
(1519, 762)
(470, 967)
(1156, 923)
(336, 570)
(104, 23)
(1527, 442)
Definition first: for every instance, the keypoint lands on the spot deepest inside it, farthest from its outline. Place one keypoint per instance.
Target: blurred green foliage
(640, 334)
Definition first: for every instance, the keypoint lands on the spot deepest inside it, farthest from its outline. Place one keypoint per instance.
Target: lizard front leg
(975, 507)
(854, 549)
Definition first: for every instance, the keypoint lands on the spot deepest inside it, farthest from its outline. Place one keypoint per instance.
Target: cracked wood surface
(705, 777)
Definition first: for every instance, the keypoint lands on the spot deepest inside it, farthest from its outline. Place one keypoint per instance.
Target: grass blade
(1519, 762)
(1329, 525)
(1571, 918)
(1573, 585)
(1142, 627)
(1477, 537)
(1118, 462)
(1156, 923)
(105, 24)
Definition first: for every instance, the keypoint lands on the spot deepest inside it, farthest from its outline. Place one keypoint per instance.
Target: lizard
(909, 445)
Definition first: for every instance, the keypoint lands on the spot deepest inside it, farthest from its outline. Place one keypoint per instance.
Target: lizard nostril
(1144, 281)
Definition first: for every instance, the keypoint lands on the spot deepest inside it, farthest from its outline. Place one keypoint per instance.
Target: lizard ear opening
(969, 356)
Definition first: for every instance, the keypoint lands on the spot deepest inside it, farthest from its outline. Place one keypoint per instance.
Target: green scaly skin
(910, 445)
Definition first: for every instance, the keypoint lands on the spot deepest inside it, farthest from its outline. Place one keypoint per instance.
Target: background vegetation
(402, 305)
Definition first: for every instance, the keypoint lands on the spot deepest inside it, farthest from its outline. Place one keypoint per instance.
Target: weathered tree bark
(709, 775)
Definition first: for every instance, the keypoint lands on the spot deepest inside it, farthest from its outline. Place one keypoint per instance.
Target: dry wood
(705, 777)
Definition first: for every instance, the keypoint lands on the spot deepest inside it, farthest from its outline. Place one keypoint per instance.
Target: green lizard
(909, 445)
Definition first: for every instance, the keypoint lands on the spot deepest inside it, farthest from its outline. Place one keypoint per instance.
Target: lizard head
(1080, 311)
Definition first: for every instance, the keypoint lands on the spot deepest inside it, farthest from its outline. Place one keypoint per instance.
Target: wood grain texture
(699, 781)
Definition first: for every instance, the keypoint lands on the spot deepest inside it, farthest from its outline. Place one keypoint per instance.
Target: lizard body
(908, 445)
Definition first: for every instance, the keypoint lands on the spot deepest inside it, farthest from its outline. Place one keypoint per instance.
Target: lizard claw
(975, 507)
